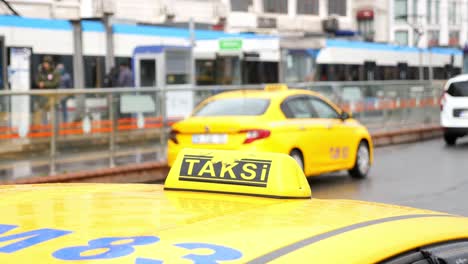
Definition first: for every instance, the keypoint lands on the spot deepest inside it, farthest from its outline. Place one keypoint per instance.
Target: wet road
(425, 174)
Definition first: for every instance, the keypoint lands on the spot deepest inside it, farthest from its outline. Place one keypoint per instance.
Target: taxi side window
(298, 107)
(448, 252)
(323, 109)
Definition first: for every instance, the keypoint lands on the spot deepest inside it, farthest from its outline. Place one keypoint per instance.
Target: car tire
(362, 163)
(297, 156)
(450, 139)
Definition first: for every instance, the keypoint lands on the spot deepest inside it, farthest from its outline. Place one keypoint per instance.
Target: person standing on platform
(65, 83)
(47, 78)
(125, 76)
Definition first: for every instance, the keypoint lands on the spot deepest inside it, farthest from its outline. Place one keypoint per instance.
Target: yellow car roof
(263, 93)
(67, 218)
(145, 224)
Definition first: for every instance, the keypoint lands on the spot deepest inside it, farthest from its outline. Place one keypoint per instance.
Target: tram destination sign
(230, 44)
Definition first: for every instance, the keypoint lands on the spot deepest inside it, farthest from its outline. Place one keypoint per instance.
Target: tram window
(251, 72)
(341, 72)
(123, 60)
(426, 73)
(36, 62)
(205, 72)
(413, 73)
(177, 79)
(322, 71)
(379, 73)
(147, 72)
(94, 71)
(270, 72)
(439, 73)
(2, 61)
(390, 73)
(299, 67)
(353, 73)
(361, 73)
(255, 72)
(177, 67)
(331, 73)
(370, 69)
(227, 70)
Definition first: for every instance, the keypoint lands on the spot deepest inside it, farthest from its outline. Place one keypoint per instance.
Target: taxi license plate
(464, 114)
(209, 139)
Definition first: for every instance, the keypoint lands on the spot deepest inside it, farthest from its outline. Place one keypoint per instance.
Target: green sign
(230, 44)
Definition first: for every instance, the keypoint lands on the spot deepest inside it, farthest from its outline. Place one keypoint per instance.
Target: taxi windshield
(458, 89)
(234, 107)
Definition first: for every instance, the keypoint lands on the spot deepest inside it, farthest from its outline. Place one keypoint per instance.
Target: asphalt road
(426, 174)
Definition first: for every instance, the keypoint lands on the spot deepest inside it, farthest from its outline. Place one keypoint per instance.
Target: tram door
(169, 68)
(19, 79)
(370, 69)
(228, 70)
(4, 101)
(251, 68)
(402, 69)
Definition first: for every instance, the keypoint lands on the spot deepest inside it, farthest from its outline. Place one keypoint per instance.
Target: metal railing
(76, 129)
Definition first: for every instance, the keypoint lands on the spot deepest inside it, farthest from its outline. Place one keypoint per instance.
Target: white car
(454, 109)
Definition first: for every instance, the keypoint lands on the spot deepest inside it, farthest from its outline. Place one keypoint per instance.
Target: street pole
(421, 68)
(110, 62)
(78, 68)
(192, 32)
(420, 51)
(431, 73)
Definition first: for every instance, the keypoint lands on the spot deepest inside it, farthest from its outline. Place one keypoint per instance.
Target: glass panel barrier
(25, 132)
(61, 131)
(139, 127)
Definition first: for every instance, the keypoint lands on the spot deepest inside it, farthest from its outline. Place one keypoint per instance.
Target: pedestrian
(125, 76)
(47, 78)
(65, 83)
(125, 80)
(112, 77)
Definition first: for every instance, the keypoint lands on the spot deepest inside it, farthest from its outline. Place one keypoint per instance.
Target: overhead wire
(5, 2)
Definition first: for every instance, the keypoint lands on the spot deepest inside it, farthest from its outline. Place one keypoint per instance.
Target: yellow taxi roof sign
(238, 172)
(276, 87)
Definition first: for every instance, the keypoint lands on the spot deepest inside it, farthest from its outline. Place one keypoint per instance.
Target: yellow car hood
(143, 224)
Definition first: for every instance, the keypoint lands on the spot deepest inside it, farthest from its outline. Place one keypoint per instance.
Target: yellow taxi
(316, 133)
(219, 207)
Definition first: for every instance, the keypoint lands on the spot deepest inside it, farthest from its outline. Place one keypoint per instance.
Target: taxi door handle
(330, 125)
(302, 128)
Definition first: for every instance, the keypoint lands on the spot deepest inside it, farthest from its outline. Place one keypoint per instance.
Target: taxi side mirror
(345, 115)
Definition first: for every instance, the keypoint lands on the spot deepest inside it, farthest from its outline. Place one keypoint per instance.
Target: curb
(157, 171)
(381, 139)
(146, 172)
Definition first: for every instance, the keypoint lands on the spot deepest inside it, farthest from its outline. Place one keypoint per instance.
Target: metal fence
(57, 131)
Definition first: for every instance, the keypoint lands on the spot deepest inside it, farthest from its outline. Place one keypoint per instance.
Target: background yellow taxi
(316, 133)
(219, 207)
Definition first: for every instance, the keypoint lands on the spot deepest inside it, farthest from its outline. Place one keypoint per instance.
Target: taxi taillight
(442, 101)
(173, 136)
(255, 134)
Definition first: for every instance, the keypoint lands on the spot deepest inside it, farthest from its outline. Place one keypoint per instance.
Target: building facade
(63, 9)
(260, 16)
(417, 23)
(289, 17)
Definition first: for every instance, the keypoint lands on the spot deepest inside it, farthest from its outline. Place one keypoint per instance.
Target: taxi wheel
(362, 164)
(297, 156)
(450, 140)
